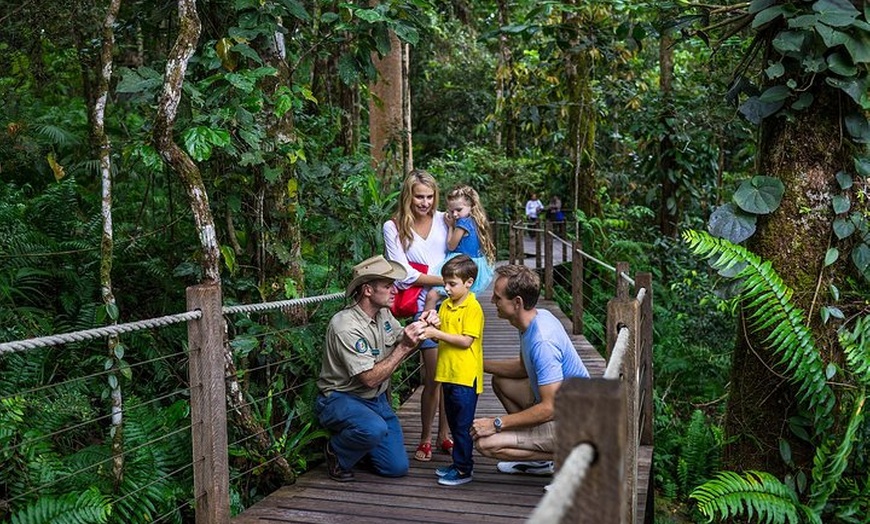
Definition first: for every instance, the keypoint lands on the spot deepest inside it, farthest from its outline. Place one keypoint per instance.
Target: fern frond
(768, 304)
(856, 345)
(88, 507)
(756, 495)
(828, 468)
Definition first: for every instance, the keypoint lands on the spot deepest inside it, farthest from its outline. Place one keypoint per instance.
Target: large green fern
(756, 494)
(88, 507)
(769, 307)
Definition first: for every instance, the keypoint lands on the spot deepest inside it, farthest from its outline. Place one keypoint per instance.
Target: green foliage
(756, 494)
(768, 301)
(86, 507)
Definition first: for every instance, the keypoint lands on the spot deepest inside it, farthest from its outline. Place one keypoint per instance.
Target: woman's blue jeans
(363, 427)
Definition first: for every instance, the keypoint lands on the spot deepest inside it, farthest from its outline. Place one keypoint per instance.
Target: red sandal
(424, 452)
(447, 445)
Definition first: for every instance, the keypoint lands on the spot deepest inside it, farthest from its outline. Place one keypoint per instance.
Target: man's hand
(430, 317)
(482, 427)
(413, 333)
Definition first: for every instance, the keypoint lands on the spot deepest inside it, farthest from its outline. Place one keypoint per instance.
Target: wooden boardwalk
(491, 497)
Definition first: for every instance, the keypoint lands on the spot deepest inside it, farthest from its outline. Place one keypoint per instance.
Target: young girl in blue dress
(468, 234)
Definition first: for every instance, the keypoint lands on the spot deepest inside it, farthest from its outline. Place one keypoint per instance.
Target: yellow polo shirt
(458, 365)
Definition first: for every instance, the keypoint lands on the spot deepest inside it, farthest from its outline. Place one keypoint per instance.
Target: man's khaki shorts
(538, 438)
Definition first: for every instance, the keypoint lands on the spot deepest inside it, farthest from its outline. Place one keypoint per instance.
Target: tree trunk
(805, 152)
(582, 118)
(390, 116)
(506, 127)
(669, 209)
(107, 244)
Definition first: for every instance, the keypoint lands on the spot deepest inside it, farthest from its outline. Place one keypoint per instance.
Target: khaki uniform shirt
(354, 344)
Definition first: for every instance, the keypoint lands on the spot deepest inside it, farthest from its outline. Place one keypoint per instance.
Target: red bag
(405, 304)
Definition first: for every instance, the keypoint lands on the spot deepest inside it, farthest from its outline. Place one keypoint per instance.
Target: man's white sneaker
(536, 467)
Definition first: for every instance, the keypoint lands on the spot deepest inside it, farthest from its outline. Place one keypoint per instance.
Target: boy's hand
(430, 317)
(430, 333)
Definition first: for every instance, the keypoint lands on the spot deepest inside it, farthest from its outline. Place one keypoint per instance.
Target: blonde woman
(417, 234)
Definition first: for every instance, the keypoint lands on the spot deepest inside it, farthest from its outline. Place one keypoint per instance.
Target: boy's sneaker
(454, 478)
(443, 471)
(535, 467)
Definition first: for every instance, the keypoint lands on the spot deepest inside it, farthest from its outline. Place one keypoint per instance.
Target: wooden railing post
(537, 245)
(623, 311)
(592, 411)
(493, 231)
(577, 287)
(548, 260)
(208, 412)
(512, 245)
(644, 281)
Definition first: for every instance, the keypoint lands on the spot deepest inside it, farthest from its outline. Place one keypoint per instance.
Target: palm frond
(856, 345)
(768, 303)
(88, 507)
(757, 495)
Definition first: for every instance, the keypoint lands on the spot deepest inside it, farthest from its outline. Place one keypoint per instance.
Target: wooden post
(577, 287)
(521, 246)
(493, 229)
(644, 281)
(548, 261)
(512, 245)
(624, 312)
(592, 411)
(564, 247)
(208, 405)
(537, 245)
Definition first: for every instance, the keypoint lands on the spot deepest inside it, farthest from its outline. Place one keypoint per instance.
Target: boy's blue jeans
(460, 402)
(363, 427)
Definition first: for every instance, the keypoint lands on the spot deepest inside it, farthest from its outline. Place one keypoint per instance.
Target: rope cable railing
(90, 334)
(280, 304)
(560, 492)
(617, 355)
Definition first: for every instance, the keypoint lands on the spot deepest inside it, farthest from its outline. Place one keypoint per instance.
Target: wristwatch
(497, 424)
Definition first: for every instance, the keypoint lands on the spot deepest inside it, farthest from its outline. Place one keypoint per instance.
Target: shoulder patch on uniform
(387, 326)
(361, 345)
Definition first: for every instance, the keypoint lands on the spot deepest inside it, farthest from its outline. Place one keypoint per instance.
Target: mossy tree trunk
(805, 152)
(390, 115)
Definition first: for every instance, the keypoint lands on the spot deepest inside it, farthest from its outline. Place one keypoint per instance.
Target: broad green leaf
(229, 257)
(295, 8)
(113, 381)
(730, 223)
(760, 194)
(755, 110)
(785, 450)
(775, 94)
(843, 228)
(803, 21)
(858, 127)
(789, 41)
(126, 371)
(836, 13)
(830, 370)
(862, 166)
(768, 15)
(844, 179)
(836, 313)
(812, 64)
(835, 292)
(841, 64)
(831, 256)
(775, 70)
(841, 204)
(859, 47)
(804, 101)
(271, 174)
(861, 259)
(248, 52)
(119, 351)
(112, 311)
(757, 6)
(854, 87)
(370, 15)
(407, 33)
(830, 36)
(241, 82)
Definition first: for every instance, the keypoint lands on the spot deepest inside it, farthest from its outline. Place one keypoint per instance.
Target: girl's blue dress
(470, 245)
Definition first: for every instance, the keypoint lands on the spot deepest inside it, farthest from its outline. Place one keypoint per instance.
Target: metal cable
(252, 435)
(96, 464)
(91, 421)
(155, 481)
(266, 306)
(264, 366)
(560, 492)
(92, 375)
(104, 331)
(616, 356)
(165, 516)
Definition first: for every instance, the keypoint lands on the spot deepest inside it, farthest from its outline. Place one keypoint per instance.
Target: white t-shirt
(532, 208)
(430, 250)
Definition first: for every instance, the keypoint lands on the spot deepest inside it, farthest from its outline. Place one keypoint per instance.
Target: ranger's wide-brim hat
(375, 268)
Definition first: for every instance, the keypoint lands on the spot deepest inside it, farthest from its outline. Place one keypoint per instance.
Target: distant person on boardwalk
(467, 234)
(554, 210)
(460, 363)
(416, 238)
(527, 385)
(533, 207)
(364, 346)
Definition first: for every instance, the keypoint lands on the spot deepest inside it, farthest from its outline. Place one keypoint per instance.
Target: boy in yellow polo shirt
(460, 363)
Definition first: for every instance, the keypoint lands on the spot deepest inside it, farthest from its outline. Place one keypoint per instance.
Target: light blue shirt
(548, 354)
